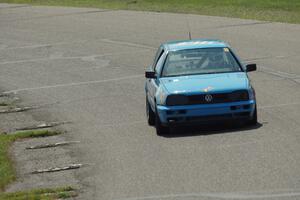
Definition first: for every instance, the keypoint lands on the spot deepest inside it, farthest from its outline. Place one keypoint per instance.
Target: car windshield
(200, 61)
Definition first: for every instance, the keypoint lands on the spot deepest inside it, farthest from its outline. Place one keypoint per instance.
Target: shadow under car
(209, 129)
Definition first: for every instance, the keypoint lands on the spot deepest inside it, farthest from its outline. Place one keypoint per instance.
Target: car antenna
(189, 28)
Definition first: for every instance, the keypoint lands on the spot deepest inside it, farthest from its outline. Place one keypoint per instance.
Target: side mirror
(150, 74)
(250, 67)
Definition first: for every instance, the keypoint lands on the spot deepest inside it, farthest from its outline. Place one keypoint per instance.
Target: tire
(160, 129)
(150, 114)
(253, 121)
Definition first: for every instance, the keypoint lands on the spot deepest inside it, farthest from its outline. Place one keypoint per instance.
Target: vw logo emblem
(208, 98)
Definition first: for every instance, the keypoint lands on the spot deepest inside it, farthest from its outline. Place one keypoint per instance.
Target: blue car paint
(196, 84)
(224, 82)
(204, 110)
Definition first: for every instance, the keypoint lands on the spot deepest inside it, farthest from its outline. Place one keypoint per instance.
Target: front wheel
(253, 120)
(150, 114)
(160, 129)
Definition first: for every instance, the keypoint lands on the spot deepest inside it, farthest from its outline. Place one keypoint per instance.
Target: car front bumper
(206, 112)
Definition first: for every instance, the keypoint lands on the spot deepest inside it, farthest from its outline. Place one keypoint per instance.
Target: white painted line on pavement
(73, 84)
(35, 46)
(282, 74)
(41, 59)
(266, 57)
(127, 43)
(60, 57)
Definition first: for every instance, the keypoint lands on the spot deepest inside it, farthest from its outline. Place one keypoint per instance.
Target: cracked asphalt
(86, 66)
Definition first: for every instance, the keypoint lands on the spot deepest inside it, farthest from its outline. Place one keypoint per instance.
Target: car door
(154, 82)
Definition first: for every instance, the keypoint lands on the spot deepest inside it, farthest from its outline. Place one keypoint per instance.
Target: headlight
(161, 97)
(176, 100)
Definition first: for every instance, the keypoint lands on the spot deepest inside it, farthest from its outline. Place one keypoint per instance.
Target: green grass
(40, 194)
(269, 10)
(7, 171)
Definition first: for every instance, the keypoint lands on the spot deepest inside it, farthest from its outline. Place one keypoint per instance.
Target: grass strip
(41, 194)
(7, 171)
(268, 10)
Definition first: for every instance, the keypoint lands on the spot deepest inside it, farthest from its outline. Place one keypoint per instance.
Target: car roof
(193, 44)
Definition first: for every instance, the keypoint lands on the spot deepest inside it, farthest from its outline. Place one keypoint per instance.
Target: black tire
(253, 121)
(160, 129)
(150, 114)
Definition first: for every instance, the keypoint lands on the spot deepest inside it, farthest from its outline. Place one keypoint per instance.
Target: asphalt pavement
(87, 66)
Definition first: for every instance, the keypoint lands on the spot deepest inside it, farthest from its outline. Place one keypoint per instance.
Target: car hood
(214, 83)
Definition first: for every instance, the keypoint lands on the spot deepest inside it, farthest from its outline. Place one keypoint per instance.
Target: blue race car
(196, 81)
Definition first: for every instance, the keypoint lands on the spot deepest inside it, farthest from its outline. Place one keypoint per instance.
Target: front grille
(239, 95)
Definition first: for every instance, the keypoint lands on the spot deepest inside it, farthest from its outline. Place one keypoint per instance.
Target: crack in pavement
(16, 110)
(51, 145)
(57, 169)
(42, 126)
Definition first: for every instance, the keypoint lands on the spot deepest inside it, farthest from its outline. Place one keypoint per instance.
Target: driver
(212, 60)
(215, 59)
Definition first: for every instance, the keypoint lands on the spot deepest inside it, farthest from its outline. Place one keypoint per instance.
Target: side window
(156, 57)
(159, 63)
